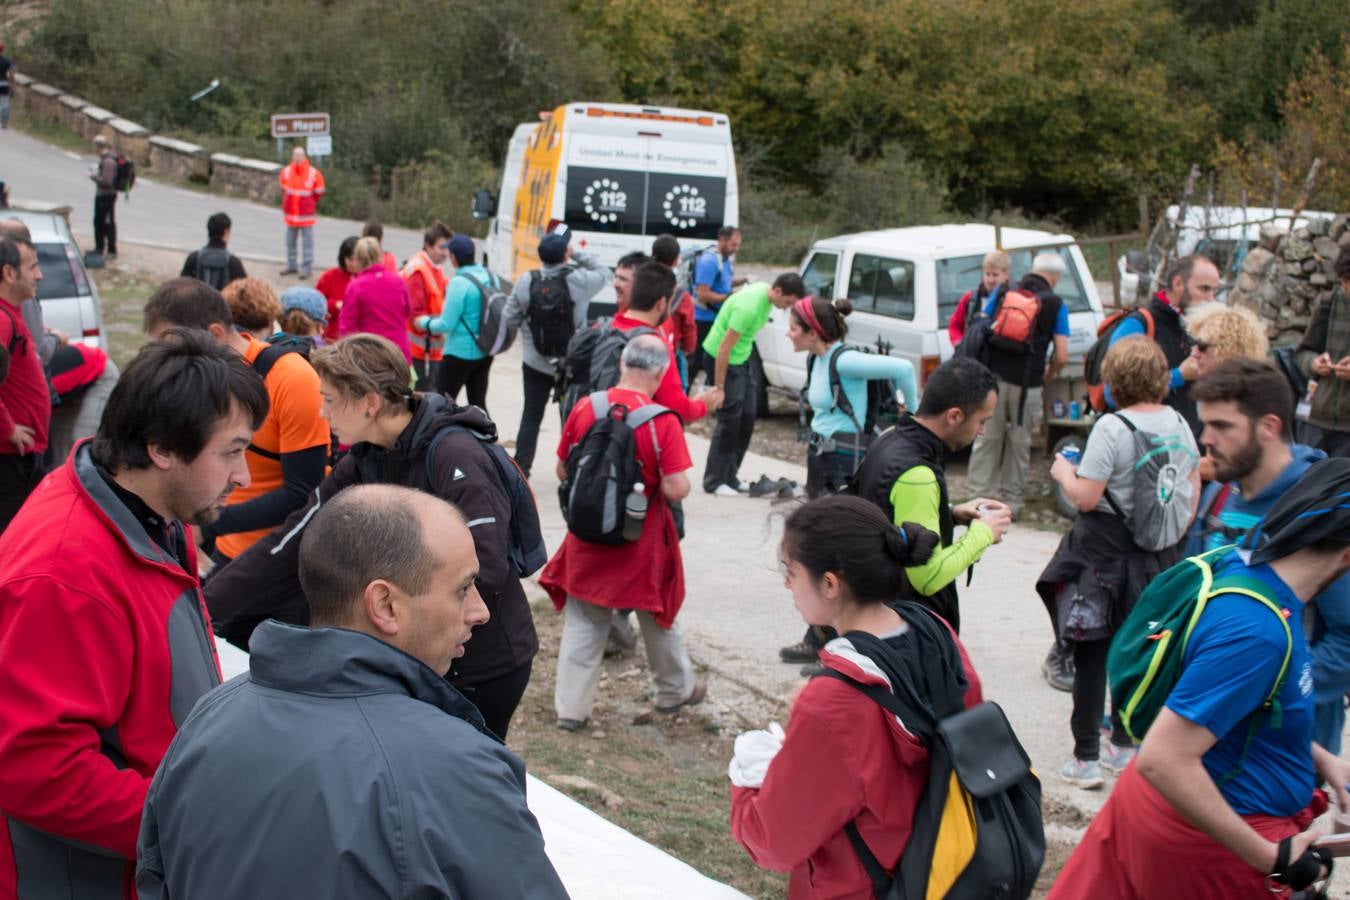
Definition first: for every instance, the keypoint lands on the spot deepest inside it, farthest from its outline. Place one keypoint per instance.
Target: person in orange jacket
(426, 290)
(301, 188)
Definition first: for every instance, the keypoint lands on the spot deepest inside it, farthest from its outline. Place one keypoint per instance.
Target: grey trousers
(306, 235)
(585, 631)
(999, 459)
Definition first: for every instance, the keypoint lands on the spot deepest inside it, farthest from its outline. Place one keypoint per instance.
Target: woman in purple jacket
(376, 301)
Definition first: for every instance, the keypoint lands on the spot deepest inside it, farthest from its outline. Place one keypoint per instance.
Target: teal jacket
(462, 314)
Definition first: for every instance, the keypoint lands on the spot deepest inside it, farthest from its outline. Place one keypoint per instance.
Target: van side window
(883, 286)
(819, 274)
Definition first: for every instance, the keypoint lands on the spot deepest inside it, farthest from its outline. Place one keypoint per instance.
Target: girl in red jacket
(843, 758)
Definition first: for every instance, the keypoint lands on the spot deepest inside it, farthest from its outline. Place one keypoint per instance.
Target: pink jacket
(377, 302)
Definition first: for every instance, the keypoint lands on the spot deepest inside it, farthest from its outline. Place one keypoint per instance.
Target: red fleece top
(24, 398)
(670, 393)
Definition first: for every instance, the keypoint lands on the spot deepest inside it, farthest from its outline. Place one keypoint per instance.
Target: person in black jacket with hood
(364, 381)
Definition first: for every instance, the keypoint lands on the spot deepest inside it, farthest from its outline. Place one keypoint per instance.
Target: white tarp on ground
(596, 859)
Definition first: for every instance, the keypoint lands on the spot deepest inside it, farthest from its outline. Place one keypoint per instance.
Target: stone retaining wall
(254, 179)
(1287, 275)
(69, 109)
(94, 121)
(179, 160)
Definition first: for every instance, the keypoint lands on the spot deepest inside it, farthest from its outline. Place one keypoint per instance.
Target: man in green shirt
(729, 342)
(903, 474)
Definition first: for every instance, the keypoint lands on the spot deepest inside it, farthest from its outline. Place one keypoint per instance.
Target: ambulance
(618, 176)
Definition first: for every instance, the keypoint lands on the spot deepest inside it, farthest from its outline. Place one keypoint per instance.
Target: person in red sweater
(333, 285)
(105, 644)
(25, 402)
(648, 301)
(666, 250)
(843, 758)
(376, 301)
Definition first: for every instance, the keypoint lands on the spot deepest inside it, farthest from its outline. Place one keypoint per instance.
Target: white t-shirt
(1110, 455)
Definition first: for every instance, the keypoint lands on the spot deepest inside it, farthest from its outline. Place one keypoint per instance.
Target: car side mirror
(484, 204)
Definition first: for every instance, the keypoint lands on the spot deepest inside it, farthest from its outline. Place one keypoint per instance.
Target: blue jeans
(306, 234)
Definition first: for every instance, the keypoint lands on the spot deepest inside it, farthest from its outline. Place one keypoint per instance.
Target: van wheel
(1066, 507)
(760, 385)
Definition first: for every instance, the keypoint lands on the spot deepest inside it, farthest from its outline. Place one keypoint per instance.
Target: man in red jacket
(105, 644)
(25, 402)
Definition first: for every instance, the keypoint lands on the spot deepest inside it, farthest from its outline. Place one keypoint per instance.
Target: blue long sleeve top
(461, 315)
(855, 370)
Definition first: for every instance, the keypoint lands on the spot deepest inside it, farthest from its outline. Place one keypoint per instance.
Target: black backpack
(592, 360)
(213, 266)
(991, 844)
(125, 179)
(602, 469)
(526, 544)
(883, 409)
(549, 315)
(278, 345)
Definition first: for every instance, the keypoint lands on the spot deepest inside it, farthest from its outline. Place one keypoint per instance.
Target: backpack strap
(837, 394)
(265, 360)
(14, 337)
(1111, 501)
(600, 404)
(482, 295)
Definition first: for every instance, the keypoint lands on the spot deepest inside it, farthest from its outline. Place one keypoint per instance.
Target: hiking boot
(1083, 773)
(1115, 759)
(694, 699)
(1058, 668)
(571, 725)
(800, 652)
(811, 670)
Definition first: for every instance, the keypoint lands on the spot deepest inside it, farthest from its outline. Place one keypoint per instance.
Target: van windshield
(618, 201)
(959, 274)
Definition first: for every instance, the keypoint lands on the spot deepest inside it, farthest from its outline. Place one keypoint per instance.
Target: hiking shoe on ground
(1058, 669)
(800, 652)
(571, 724)
(694, 699)
(743, 486)
(1083, 773)
(811, 670)
(726, 490)
(1115, 759)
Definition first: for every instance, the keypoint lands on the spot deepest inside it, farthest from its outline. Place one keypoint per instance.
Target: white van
(904, 284)
(618, 175)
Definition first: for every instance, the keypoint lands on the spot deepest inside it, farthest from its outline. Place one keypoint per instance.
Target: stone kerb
(94, 121)
(131, 140)
(253, 179)
(40, 102)
(70, 109)
(179, 159)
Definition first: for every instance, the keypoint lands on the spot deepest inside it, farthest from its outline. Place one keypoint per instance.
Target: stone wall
(1287, 275)
(254, 179)
(179, 159)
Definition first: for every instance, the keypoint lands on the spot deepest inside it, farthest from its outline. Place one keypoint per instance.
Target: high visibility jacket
(425, 345)
(301, 188)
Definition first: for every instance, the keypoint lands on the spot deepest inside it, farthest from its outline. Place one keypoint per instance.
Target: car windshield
(58, 279)
(959, 274)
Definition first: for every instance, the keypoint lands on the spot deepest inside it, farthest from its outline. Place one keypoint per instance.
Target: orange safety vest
(424, 344)
(301, 188)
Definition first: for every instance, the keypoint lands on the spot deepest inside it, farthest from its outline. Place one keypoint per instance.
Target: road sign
(286, 125)
(319, 145)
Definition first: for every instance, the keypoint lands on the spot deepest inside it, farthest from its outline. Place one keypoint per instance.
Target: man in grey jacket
(585, 277)
(343, 765)
(104, 176)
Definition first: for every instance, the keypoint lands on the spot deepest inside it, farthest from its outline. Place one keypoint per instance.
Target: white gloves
(754, 751)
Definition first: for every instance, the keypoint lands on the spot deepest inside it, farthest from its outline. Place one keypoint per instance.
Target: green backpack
(1144, 663)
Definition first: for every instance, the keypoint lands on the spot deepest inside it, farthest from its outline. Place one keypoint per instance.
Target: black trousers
(538, 385)
(105, 225)
(827, 473)
(1334, 443)
(701, 362)
(1089, 700)
(18, 476)
(454, 373)
(735, 425)
(498, 698)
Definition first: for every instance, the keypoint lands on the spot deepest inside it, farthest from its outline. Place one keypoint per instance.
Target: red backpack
(1014, 328)
(1092, 362)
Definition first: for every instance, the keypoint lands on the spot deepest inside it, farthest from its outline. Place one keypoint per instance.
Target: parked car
(69, 299)
(904, 284)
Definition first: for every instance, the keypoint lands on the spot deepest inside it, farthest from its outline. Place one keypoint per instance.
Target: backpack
(550, 313)
(278, 345)
(17, 344)
(602, 469)
(1163, 493)
(1015, 318)
(1145, 659)
(126, 173)
(525, 544)
(592, 360)
(684, 270)
(213, 266)
(494, 335)
(977, 829)
(1092, 361)
(883, 410)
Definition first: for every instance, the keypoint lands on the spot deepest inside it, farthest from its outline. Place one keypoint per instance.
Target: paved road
(166, 215)
(737, 612)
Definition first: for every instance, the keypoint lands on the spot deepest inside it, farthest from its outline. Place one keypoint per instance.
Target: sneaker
(1115, 759)
(571, 724)
(725, 490)
(694, 699)
(800, 652)
(1058, 669)
(743, 486)
(1083, 773)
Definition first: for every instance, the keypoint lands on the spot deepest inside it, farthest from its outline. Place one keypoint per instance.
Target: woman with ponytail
(844, 759)
(816, 326)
